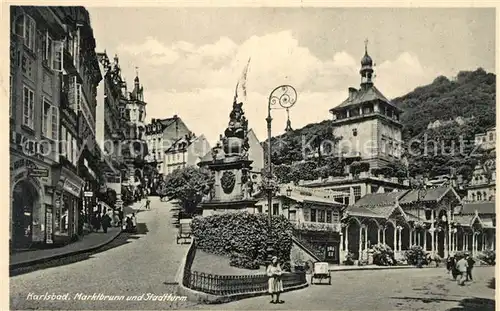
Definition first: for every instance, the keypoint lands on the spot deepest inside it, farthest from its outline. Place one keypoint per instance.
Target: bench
(184, 230)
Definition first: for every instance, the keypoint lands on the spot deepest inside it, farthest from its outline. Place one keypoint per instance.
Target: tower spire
(366, 71)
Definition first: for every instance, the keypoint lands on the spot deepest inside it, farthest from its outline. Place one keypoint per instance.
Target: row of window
(50, 119)
(52, 50)
(481, 196)
(322, 216)
(175, 157)
(391, 148)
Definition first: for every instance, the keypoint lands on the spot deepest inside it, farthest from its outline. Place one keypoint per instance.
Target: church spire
(366, 69)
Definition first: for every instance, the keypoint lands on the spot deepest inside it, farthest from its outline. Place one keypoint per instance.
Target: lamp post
(282, 97)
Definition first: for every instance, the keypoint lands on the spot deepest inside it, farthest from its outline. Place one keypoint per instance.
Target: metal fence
(232, 284)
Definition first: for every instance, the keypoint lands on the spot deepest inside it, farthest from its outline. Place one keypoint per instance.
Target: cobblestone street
(405, 289)
(145, 263)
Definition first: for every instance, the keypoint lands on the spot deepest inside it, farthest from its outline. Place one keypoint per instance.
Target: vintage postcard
(251, 157)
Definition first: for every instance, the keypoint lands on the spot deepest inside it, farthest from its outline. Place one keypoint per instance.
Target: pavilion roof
(431, 195)
(363, 96)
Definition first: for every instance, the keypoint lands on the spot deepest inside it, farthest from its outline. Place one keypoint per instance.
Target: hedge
(243, 237)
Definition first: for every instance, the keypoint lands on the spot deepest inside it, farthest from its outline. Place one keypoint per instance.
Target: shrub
(383, 255)
(244, 234)
(415, 253)
(488, 256)
(243, 261)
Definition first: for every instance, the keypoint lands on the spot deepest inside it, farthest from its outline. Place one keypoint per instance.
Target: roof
(310, 199)
(463, 220)
(380, 199)
(361, 211)
(378, 205)
(432, 194)
(363, 96)
(480, 207)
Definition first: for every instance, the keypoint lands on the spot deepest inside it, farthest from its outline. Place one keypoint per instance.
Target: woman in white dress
(274, 273)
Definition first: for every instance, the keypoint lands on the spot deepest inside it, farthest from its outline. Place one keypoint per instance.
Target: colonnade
(430, 239)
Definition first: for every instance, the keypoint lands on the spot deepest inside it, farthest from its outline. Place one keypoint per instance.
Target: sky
(190, 59)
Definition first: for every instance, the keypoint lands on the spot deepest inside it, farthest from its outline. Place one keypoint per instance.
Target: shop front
(30, 196)
(67, 205)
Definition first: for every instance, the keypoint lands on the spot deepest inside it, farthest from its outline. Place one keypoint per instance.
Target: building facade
(482, 186)
(368, 123)
(111, 125)
(486, 140)
(350, 189)
(160, 135)
(52, 111)
(186, 151)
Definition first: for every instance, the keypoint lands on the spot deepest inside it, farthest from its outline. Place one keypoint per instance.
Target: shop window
(329, 217)
(64, 215)
(313, 215)
(321, 216)
(276, 208)
(28, 106)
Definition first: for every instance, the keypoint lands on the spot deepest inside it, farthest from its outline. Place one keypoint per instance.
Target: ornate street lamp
(282, 97)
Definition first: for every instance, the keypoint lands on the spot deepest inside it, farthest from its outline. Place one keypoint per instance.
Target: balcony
(316, 226)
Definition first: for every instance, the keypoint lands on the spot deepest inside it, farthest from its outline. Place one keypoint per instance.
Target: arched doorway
(24, 199)
(389, 234)
(372, 228)
(353, 235)
(405, 237)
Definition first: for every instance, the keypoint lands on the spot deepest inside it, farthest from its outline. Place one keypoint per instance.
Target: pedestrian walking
(274, 273)
(97, 222)
(451, 264)
(462, 268)
(106, 222)
(470, 265)
(133, 221)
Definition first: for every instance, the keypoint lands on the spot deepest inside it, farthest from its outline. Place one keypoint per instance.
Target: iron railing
(232, 284)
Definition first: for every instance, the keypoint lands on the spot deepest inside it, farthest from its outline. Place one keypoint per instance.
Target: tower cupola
(366, 71)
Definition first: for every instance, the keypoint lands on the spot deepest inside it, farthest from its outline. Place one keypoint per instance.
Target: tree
(188, 186)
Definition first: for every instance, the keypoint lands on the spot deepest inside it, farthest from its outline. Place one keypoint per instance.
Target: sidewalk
(333, 268)
(88, 243)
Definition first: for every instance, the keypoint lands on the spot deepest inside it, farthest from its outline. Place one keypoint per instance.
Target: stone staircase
(308, 247)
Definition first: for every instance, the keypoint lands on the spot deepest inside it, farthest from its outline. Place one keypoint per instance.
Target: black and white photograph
(256, 156)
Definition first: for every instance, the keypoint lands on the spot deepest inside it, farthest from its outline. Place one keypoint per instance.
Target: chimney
(352, 93)
(153, 120)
